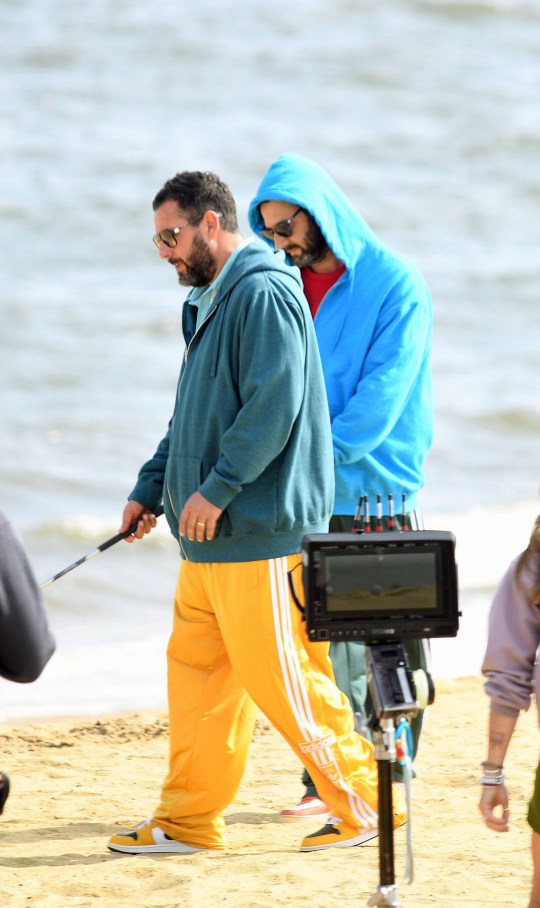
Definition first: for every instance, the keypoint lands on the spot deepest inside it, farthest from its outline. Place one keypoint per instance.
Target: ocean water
(425, 111)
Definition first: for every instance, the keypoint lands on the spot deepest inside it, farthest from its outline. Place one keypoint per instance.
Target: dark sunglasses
(283, 228)
(169, 236)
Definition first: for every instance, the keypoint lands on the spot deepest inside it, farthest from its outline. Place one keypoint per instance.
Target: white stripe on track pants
(239, 640)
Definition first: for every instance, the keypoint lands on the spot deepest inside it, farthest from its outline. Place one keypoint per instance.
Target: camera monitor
(380, 586)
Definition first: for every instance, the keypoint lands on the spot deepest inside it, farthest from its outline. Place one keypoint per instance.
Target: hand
(199, 518)
(133, 512)
(495, 798)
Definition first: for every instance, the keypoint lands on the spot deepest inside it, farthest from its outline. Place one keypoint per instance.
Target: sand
(76, 781)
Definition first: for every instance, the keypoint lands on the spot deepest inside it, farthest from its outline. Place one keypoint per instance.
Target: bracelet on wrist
(491, 781)
(491, 774)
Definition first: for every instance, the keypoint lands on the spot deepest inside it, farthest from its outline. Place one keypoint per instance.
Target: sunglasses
(169, 236)
(283, 228)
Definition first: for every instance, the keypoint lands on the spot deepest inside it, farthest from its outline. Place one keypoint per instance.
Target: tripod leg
(385, 753)
(386, 824)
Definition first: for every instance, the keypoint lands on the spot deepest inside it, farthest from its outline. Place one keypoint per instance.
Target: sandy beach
(74, 782)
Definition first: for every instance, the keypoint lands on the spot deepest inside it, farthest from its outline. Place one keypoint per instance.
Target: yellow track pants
(238, 642)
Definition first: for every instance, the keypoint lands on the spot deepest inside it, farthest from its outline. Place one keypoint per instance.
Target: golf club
(101, 548)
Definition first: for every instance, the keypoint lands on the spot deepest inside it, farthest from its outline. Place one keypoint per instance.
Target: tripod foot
(385, 895)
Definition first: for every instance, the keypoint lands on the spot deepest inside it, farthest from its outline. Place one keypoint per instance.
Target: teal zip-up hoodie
(250, 429)
(374, 332)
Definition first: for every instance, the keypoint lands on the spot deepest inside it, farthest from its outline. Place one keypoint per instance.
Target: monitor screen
(380, 586)
(387, 580)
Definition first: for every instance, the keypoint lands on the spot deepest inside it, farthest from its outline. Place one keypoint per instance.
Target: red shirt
(316, 285)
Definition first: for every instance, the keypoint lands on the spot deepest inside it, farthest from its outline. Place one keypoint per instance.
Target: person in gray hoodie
(512, 680)
(26, 642)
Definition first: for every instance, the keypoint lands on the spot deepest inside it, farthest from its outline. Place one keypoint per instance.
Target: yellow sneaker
(148, 838)
(337, 834)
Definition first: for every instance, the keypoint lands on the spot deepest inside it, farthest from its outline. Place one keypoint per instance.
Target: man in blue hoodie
(373, 317)
(244, 472)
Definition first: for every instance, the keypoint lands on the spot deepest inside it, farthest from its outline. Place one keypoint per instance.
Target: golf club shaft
(101, 548)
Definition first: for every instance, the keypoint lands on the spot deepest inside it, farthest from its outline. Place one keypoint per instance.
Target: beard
(314, 249)
(201, 267)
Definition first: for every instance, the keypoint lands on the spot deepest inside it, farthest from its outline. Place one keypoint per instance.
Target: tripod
(393, 692)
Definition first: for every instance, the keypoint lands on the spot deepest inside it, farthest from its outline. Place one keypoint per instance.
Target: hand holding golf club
(133, 531)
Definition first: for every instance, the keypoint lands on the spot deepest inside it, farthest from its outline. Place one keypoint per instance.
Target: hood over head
(296, 179)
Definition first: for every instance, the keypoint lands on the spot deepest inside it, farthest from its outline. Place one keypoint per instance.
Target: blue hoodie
(374, 333)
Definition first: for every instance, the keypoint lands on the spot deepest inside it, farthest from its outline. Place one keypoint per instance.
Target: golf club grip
(114, 539)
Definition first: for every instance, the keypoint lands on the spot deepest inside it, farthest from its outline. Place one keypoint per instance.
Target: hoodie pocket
(183, 477)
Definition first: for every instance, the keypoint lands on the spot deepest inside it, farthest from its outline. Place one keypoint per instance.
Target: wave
(487, 539)
(90, 530)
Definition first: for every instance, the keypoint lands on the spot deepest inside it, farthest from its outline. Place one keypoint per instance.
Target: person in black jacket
(26, 642)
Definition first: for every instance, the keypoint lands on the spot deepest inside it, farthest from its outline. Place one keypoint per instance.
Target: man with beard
(373, 314)
(244, 472)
